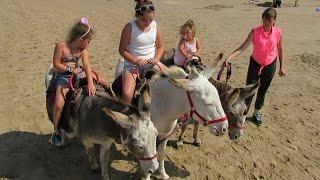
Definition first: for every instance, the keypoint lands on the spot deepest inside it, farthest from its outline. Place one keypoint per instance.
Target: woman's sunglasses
(145, 8)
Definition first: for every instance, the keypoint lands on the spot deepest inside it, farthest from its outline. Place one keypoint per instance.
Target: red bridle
(236, 126)
(204, 121)
(193, 111)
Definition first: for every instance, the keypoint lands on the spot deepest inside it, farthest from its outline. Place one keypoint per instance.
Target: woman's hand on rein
(142, 62)
(153, 61)
(189, 56)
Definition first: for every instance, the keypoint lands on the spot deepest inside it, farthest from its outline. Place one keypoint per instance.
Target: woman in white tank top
(141, 46)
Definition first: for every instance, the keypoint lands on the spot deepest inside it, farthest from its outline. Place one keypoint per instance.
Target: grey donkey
(233, 103)
(101, 120)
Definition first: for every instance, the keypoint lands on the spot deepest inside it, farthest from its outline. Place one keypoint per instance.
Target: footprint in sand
(173, 2)
(310, 59)
(217, 7)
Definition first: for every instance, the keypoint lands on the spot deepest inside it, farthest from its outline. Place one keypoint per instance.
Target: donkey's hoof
(147, 177)
(179, 144)
(197, 142)
(95, 169)
(161, 175)
(105, 177)
(165, 176)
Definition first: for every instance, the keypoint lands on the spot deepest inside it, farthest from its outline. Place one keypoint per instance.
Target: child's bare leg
(58, 105)
(128, 85)
(160, 67)
(104, 83)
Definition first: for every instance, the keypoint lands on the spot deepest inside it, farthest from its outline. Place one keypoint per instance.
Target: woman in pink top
(267, 48)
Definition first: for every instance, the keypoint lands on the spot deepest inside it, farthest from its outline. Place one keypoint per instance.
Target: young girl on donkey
(141, 46)
(189, 46)
(267, 48)
(65, 62)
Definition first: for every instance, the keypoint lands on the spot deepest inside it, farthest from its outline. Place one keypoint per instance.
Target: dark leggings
(265, 78)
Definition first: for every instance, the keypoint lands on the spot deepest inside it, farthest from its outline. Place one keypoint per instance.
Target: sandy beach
(286, 146)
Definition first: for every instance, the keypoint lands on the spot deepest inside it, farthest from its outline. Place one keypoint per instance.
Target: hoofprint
(99, 121)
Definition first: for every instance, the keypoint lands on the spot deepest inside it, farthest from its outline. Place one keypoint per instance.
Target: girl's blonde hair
(190, 25)
(80, 30)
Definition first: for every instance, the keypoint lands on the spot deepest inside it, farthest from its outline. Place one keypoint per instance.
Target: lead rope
(229, 72)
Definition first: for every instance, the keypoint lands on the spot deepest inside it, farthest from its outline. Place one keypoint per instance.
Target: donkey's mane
(172, 72)
(117, 104)
(221, 86)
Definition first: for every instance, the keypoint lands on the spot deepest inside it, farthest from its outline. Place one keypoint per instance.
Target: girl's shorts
(63, 79)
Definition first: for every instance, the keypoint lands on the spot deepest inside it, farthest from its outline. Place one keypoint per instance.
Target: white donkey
(174, 93)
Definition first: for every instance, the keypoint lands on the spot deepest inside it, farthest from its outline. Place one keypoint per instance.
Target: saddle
(143, 78)
(73, 99)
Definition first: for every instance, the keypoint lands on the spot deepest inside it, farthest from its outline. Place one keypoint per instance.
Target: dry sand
(286, 146)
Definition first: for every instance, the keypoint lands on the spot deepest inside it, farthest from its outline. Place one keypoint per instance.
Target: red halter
(193, 110)
(203, 120)
(236, 126)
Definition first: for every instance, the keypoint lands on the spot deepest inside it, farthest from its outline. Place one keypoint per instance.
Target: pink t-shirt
(265, 48)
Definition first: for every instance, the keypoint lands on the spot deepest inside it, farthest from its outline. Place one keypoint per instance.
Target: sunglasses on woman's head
(146, 8)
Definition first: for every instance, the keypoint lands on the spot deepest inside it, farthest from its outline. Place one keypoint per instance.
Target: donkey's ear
(209, 70)
(182, 83)
(194, 74)
(233, 96)
(144, 102)
(249, 90)
(123, 120)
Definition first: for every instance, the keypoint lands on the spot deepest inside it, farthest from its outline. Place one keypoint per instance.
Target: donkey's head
(205, 98)
(140, 134)
(233, 102)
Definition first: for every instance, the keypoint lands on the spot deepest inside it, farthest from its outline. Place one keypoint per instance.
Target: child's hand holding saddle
(77, 71)
(91, 89)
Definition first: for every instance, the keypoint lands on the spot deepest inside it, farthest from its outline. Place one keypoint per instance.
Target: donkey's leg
(104, 158)
(196, 141)
(161, 155)
(90, 149)
(183, 130)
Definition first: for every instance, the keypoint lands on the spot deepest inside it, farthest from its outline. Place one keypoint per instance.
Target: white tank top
(142, 44)
(179, 59)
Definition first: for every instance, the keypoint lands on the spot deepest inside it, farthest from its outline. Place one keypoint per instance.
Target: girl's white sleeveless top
(179, 59)
(142, 44)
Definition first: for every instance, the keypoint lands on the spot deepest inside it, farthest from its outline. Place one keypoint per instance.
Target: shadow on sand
(26, 155)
